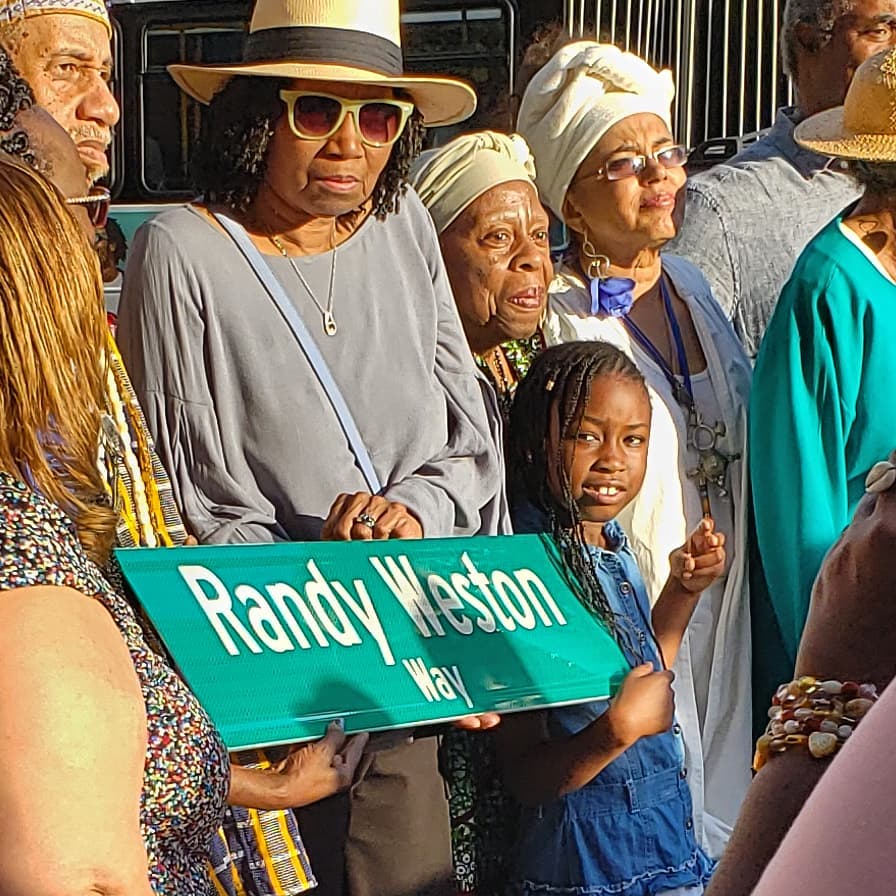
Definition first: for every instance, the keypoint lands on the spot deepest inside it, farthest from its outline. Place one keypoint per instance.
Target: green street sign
(276, 640)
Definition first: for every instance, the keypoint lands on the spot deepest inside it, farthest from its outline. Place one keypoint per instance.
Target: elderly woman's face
(498, 259)
(633, 213)
(331, 176)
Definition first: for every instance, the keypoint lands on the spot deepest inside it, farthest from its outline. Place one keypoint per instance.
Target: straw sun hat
(348, 41)
(864, 127)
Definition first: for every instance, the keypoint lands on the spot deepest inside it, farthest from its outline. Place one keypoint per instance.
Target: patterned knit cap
(13, 10)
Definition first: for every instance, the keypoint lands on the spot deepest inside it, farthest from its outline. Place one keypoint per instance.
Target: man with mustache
(62, 49)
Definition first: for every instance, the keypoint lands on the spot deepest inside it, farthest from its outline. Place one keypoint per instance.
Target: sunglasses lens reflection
(316, 116)
(379, 122)
(96, 204)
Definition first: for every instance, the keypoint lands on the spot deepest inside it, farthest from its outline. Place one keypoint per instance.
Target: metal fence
(725, 56)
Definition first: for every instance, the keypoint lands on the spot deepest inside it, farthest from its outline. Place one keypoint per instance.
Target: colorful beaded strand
(820, 714)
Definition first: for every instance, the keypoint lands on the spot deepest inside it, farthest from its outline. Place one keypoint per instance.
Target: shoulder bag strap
(308, 346)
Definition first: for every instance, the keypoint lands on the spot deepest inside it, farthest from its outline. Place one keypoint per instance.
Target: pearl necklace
(329, 321)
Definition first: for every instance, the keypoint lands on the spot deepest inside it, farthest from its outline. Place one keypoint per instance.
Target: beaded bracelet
(820, 714)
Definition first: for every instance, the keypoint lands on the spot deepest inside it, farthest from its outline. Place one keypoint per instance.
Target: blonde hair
(52, 338)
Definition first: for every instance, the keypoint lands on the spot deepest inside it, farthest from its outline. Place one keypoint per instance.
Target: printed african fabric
(259, 852)
(483, 814)
(141, 488)
(519, 354)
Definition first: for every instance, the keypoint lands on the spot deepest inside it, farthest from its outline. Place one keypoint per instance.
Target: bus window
(166, 149)
(472, 42)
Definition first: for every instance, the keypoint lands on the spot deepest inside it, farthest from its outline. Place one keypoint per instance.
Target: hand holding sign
(320, 769)
(309, 773)
(483, 722)
(645, 705)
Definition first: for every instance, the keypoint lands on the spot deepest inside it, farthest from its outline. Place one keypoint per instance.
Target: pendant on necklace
(712, 463)
(330, 327)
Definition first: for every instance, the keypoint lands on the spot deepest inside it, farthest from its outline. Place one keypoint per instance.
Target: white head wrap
(583, 90)
(448, 179)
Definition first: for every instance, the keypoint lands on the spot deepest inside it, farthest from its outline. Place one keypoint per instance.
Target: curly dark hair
(559, 382)
(231, 162)
(15, 97)
(876, 178)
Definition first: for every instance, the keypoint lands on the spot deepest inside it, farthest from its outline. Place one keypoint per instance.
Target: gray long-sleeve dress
(252, 444)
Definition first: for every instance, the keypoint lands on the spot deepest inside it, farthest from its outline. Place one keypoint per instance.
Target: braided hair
(230, 162)
(558, 386)
(15, 97)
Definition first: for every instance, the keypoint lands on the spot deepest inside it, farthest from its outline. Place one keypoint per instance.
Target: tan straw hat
(351, 41)
(864, 127)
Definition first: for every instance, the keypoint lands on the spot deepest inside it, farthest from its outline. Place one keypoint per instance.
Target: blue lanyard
(684, 394)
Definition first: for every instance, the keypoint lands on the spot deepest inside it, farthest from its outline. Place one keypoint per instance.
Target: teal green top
(822, 413)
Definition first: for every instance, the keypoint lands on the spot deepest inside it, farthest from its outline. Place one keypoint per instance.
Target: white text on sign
(282, 617)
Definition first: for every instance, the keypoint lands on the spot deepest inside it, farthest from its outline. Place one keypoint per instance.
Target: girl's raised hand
(697, 564)
(644, 705)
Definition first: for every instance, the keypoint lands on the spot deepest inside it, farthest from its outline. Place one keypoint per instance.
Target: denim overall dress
(630, 830)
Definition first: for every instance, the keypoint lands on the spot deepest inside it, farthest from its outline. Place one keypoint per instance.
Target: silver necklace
(329, 322)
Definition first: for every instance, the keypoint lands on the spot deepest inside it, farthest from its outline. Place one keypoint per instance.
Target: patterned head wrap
(13, 10)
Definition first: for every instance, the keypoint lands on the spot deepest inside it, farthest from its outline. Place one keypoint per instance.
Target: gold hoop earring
(598, 265)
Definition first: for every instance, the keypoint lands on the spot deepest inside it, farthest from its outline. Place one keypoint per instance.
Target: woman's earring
(598, 265)
(612, 296)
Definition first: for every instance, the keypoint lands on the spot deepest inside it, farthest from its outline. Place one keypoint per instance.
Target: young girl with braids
(606, 805)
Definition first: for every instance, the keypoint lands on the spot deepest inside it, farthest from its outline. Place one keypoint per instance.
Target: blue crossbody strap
(308, 346)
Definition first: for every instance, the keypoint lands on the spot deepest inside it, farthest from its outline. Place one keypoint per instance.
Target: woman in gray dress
(304, 158)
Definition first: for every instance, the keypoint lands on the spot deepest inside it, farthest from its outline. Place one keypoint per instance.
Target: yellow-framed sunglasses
(316, 116)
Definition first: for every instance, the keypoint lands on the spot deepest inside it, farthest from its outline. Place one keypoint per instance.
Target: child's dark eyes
(590, 438)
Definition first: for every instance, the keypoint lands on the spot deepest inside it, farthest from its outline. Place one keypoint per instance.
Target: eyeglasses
(96, 204)
(316, 116)
(632, 166)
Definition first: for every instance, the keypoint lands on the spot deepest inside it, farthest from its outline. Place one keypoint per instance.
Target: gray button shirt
(748, 220)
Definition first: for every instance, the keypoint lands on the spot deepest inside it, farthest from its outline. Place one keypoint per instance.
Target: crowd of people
(346, 337)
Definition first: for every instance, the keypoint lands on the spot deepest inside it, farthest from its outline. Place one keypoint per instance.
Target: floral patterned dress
(186, 776)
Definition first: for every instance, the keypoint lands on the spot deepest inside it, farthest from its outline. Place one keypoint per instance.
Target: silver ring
(365, 519)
